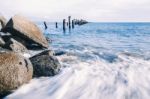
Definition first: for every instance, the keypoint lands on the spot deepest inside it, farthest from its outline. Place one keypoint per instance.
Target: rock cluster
(19, 36)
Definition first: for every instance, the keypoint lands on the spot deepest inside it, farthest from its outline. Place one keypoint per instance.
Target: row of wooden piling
(71, 23)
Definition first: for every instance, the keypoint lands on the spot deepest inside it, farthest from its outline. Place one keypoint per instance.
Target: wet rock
(59, 53)
(15, 46)
(45, 64)
(48, 40)
(2, 42)
(15, 70)
(3, 22)
(26, 30)
(46, 52)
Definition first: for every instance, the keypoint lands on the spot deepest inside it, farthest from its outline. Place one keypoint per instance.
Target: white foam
(127, 78)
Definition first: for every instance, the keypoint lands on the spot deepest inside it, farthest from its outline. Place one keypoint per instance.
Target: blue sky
(92, 10)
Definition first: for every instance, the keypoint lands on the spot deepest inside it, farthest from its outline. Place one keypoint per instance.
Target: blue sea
(99, 61)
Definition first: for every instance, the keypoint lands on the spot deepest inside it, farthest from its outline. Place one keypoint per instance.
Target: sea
(99, 61)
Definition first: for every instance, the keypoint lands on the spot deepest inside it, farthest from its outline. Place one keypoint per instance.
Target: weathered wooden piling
(69, 21)
(64, 25)
(45, 25)
(73, 24)
(56, 25)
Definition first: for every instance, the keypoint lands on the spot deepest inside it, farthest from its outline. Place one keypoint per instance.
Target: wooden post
(69, 21)
(56, 25)
(64, 25)
(72, 24)
(45, 25)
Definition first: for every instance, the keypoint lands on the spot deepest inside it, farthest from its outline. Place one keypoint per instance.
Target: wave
(91, 75)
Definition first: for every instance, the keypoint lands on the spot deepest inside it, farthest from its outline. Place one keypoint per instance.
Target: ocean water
(101, 61)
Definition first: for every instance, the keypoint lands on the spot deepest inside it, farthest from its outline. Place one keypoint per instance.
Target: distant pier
(71, 23)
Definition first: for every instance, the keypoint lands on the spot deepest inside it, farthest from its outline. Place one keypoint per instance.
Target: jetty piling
(70, 24)
(64, 25)
(56, 25)
(73, 24)
(69, 21)
(45, 25)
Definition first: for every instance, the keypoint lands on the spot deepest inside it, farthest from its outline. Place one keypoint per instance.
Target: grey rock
(59, 53)
(15, 46)
(23, 28)
(15, 70)
(45, 64)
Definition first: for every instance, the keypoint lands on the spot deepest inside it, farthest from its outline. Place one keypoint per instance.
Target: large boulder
(45, 64)
(3, 22)
(26, 30)
(15, 70)
(15, 46)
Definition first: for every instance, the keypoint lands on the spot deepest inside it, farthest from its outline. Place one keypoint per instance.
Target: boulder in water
(23, 28)
(15, 70)
(45, 64)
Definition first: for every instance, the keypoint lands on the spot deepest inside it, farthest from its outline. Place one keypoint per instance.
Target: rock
(45, 64)
(6, 38)
(59, 53)
(15, 46)
(15, 70)
(3, 22)
(23, 28)
(48, 40)
(2, 42)
(46, 52)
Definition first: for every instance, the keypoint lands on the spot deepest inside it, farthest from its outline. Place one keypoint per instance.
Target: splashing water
(101, 61)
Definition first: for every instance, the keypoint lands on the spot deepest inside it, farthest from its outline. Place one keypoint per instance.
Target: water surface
(102, 61)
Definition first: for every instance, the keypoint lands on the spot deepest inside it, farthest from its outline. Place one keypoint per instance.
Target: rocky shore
(18, 38)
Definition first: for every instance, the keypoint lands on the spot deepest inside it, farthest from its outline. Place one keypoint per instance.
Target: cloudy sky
(92, 10)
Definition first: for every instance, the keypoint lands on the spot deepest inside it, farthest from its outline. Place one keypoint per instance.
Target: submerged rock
(45, 64)
(15, 46)
(15, 70)
(26, 30)
(59, 53)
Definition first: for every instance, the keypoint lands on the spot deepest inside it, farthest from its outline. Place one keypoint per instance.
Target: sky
(91, 10)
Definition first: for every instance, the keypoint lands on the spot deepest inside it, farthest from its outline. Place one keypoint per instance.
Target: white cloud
(93, 10)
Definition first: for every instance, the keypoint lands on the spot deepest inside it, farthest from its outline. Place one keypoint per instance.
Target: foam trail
(127, 78)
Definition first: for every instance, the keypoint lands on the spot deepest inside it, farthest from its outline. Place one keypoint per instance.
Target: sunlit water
(102, 61)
